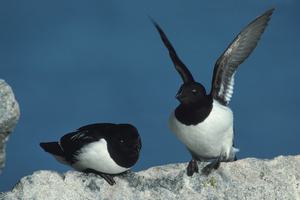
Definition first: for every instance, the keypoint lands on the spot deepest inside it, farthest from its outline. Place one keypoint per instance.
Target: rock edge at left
(9, 116)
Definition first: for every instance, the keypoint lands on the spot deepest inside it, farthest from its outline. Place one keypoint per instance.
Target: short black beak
(179, 95)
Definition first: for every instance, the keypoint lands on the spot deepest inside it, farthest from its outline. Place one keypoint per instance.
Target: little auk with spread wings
(202, 121)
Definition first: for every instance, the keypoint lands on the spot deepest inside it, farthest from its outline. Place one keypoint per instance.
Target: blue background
(72, 63)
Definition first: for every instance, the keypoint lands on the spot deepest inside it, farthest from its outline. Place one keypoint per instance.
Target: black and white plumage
(204, 122)
(104, 149)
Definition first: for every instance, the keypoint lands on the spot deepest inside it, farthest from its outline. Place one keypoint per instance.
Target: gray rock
(9, 115)
(249, 178)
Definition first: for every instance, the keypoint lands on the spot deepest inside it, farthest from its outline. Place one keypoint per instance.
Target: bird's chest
(96, 156)
(209, 137)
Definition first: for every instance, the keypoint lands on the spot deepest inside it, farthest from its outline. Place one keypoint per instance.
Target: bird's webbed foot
(213, 165)
(107, 177)
(192, 167)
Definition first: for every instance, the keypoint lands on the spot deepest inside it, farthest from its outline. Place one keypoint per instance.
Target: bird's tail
(53, 148)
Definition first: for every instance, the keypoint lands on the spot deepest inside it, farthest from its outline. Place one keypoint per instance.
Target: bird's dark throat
(194, 113)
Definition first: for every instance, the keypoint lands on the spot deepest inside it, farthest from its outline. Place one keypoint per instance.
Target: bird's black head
(124, 145)
(191, 92)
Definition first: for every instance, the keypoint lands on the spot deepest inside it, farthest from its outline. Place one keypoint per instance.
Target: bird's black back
(72, 142)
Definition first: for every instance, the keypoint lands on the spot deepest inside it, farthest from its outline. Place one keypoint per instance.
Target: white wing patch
(229, 91)
(226, 91)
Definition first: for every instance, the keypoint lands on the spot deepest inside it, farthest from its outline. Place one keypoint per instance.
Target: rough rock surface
(249, 178)
(9, 115)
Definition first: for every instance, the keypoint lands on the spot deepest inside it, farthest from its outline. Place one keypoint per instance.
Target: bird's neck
(194, 113)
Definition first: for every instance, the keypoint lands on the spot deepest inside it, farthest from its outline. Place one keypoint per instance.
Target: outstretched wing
(234, 55)
(179, 65)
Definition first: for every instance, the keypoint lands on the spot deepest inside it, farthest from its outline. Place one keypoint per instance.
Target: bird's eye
(194, 91)
(121, 141)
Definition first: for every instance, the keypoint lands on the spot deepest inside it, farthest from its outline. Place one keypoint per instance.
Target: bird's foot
(192, 167)
(213, 165)
(210, 167)
(108, 178)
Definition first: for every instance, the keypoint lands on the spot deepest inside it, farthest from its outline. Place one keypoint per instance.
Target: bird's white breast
(96, 156)
(209, 138)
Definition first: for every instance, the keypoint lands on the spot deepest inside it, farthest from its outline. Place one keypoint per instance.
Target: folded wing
(72, 142)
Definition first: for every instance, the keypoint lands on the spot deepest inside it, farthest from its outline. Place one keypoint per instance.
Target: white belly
(95, 156)
(211, 137)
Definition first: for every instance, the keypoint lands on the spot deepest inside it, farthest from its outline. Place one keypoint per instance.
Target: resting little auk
(105, 149)
(204, 122)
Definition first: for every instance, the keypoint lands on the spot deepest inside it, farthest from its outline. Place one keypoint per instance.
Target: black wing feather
(179, 65)
(72, 142)
(241, 47)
